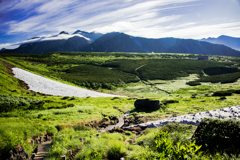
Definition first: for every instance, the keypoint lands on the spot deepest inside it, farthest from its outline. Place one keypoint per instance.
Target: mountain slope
(71, 44)
(115, 42)
(175, 45)
(120, 42)
(232, 42)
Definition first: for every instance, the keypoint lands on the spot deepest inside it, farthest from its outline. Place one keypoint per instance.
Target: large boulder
(147, 104)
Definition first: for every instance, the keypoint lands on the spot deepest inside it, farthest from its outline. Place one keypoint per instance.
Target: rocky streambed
(194, 119)
(137, 124)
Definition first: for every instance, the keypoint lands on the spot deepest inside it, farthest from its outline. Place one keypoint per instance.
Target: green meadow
(25, 114)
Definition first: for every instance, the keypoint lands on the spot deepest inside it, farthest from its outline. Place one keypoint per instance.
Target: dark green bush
(226, 93)
(168, 69)
(217, 135)
(226, 78)
(220, 70)
(9, 103)
(51, 130)
(115, 152)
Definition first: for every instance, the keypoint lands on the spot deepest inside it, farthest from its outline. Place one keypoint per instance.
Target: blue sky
(24, 19)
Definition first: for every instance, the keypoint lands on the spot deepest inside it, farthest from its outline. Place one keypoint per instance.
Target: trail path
(119, 124)
(148, 83)
(43, 150)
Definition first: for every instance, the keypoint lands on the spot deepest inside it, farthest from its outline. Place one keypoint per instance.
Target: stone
(147, 104)
(33, 155)
(130, 141)
(63, 157)
(18, 153)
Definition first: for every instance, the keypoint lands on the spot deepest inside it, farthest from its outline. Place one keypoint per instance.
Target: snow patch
(47, 86)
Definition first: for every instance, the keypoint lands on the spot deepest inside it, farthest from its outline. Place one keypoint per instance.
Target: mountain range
(232, 42)
(119, 42)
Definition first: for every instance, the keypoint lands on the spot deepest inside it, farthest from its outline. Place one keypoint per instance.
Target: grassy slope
(19, 125)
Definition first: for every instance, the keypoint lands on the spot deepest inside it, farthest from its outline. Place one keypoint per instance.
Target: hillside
(120, 42)
(27, 115)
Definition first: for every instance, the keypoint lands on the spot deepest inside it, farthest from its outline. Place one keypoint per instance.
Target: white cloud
(73, 15)
(9, 45)
(147, 18)
(200, 31)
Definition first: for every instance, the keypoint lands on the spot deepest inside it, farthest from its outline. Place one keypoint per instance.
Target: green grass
(109, 71)
(67, 114)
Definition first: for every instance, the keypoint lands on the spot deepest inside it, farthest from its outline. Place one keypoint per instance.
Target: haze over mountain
(118, 42)
(232, 42)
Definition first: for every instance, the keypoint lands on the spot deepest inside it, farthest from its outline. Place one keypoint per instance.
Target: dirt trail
(43, 150)
(144, 82)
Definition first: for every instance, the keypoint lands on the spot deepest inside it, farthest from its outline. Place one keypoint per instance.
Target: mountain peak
(229, 41)
(63, 32)
(92, 36)
(80, 32)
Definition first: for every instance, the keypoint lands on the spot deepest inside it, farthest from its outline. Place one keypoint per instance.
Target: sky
(23, 19)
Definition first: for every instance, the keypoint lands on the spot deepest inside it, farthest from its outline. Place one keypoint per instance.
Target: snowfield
(47, 86)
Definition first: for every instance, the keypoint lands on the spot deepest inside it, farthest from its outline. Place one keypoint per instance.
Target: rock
(18, 153)
(147, 104)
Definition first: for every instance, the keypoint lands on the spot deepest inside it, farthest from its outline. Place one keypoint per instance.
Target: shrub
(218, 135)
(51, 130)
(193, 83)
(226, 78)
(166, 149)
(115, 152)
(9, 103)
(220, 70)
(226, 93)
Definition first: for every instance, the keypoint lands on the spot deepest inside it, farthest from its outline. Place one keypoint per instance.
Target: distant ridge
(232, 42)
(121, 42)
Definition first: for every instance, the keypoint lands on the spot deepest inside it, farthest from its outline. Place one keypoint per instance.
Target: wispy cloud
(148, 18)
(72, 15)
